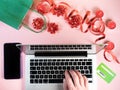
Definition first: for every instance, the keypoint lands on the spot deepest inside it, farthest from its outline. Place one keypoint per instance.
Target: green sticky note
(12, 12)
(105, 73)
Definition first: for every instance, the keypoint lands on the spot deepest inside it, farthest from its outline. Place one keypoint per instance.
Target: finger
(85, 81)
(68, 79)
(64, 85)
(81, 80)
(75, 78)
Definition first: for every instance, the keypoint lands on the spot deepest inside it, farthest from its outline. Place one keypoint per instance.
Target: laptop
(45, 65)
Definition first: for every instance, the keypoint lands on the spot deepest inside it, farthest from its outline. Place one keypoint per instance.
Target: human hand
(75, 81)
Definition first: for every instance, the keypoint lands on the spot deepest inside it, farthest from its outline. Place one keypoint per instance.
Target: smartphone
(11, 61)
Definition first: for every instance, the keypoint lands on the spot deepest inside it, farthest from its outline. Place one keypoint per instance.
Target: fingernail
(66, 71)
(63, 80)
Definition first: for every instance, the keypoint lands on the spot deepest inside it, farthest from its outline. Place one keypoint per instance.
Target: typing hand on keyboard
(75, 81)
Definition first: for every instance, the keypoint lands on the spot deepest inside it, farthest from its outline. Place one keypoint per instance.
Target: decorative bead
(99, 13)
(110, 46)
(111, 24)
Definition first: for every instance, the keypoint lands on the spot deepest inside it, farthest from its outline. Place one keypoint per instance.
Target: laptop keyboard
(52, 70)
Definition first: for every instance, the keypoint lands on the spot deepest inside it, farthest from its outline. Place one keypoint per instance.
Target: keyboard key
(57, 63)
(56, 72)
(68, 67)
(45, 76)
(31, 60)
(83, 63)
(33, 72)
(40, 60)
(90, 70)
(52, 72)
(54, 76)
(79, 63)
(55, 68)
(90, 81)
(44, 63)
(36, 64)
(41, 76)
(72, 67)
(85, 59)
(32, 68)
(31, 64)
(61, 72)
(42, 68)
(59, 67)
(39, 72)
(81, 67)
(82, 71)
(81, 60)
(43, 72)
(77, 67)
(50, 76)
(64, 67)
(85, 67)
(74, 63)
(62, 63)
(66, 63)
(47, 68)
(53, 63)
(31, 81)
(40, 80)
(45, 80)
(88, 63)
(59, 76)
(88, 76)
(37, 76)
(38, 68)
(90, 67)
(49, 63)
(70, 63)
(36, 80)
(89, 59)
(48, 72)
(86, 72)
(63, 76)
(40, 63)
(32, 76)
(51, 68)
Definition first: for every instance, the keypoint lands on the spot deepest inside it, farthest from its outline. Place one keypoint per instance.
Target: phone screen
(11, 61)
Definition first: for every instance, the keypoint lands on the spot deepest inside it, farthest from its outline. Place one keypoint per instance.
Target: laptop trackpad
(45, 87)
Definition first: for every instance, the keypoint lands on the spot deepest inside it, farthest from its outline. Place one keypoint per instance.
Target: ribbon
(108, 50)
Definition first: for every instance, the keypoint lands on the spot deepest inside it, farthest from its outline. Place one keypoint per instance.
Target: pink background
(67, 35)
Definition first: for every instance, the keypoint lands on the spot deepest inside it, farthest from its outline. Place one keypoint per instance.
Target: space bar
(61, 53)
(55, 80)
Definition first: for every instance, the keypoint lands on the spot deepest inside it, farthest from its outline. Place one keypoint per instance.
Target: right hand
(75, 81)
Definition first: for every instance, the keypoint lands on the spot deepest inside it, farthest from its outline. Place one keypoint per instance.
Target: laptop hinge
(61, 53)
